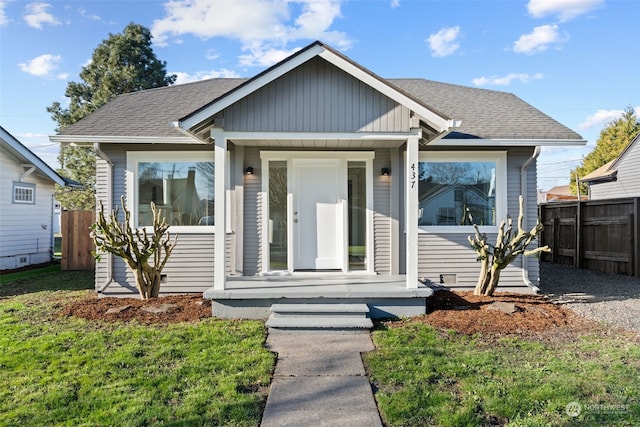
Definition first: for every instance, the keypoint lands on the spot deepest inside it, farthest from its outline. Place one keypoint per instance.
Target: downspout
(523, 191)
(105, 157)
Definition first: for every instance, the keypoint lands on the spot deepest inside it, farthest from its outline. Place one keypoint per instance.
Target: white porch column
(220, 209)
(411, 200)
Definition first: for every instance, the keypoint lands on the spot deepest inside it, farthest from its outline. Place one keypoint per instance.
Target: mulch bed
(163, 310)
(470, 314)
(533, 316)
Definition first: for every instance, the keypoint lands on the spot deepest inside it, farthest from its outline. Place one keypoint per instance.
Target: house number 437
(412, 175)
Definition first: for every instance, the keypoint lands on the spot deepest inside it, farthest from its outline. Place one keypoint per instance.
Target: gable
(316, 97)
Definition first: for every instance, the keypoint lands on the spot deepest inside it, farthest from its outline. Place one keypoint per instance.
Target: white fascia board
(251, 87)
(92, 139)
(394, 136)
(508, 142)
(29, 157)
(428, 115)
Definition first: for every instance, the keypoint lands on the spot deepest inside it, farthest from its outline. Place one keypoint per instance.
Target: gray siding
(628, 178)
(252, 262)
(190, 267)
(382, 213)
(316, 97)
(450, 253)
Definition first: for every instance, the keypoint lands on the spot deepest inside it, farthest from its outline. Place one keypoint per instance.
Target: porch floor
(252, 297)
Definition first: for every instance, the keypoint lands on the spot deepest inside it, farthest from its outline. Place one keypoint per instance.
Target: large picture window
(179, 183)
(459, 189)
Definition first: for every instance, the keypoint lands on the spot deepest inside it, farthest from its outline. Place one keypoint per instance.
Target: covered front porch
(252, 297)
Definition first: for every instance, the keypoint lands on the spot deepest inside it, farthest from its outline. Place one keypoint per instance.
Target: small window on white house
(24, 193)
(458, 189)
(181, 184)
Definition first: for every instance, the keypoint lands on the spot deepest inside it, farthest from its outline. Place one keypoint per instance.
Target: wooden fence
(77, 246)
(599, 235)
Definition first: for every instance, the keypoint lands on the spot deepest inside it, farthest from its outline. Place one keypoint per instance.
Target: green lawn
(70, 372)
(429, 377)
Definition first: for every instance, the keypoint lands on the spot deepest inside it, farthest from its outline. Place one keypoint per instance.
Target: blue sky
(576, 60)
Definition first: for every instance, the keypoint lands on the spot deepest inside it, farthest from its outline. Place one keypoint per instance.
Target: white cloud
(41, 65)
(85, 14)
(444, 42)
(539, 40)
(507, 80)
(204, 75)
(395, 3)
(260, 55)
(564, 10)
(36, 15)
(602, 118)
(264, 27)
(212, 54)
(3, 16)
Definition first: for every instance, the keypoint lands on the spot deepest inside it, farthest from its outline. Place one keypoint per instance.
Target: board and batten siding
(25, 229)
(190, 267)
(627, 183)
(316, 97)
(451, 253)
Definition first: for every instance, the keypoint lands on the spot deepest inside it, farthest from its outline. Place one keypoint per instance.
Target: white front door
(319, 206)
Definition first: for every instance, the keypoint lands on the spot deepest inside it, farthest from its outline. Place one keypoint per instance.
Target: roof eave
(85, 140)
(22, 151)
(508, 142)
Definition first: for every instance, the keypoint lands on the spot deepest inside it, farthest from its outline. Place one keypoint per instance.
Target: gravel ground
(612, 299)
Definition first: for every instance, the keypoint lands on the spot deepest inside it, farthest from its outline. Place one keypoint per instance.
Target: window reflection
(457, 193)
(183, 190)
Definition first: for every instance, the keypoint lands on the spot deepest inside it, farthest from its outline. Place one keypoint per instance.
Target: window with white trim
(181, 184)
(24, 193)
(458, 189)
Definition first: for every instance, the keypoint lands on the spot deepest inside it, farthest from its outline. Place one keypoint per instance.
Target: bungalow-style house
(620, 178)
(322, 182)
(27, 205)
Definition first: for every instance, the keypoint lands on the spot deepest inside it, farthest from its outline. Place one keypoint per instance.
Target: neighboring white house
(618, 179)
(27, 220)
(319, 179)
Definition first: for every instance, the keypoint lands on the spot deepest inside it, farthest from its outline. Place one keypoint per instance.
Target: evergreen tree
(120, 64)
(613, 139)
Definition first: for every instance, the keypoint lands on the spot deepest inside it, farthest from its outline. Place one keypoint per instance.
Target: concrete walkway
(320, 380)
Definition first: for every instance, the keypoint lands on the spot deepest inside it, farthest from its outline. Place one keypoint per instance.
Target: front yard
(464, 364)
(452, 367)
(68, 371)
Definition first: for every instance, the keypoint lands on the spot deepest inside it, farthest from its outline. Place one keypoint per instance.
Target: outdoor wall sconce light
(248, 170)
(386, 171)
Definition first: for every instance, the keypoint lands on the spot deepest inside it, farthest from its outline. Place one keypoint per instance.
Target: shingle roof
(485, 114)
(150, 112)
(603, 173)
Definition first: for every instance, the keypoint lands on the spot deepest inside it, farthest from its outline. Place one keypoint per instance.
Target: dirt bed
(168, 309)
(613, 300)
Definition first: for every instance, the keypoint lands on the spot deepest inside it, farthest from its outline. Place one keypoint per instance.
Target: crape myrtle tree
(612, 140)
(122, 63)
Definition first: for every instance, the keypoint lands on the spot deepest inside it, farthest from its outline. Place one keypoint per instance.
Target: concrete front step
(319, 317)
